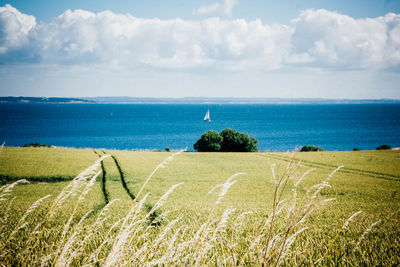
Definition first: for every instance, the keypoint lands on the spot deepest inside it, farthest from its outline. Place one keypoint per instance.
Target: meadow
(114, 208)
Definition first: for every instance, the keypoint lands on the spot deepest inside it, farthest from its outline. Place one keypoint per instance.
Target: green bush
(356, 149)
(310, 148)
(36, 144)
(228, 140)
(167, 149)
(383, 147)
(210, 141)
(234, 141)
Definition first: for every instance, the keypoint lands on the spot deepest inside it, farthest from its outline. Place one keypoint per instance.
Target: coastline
(194, 101)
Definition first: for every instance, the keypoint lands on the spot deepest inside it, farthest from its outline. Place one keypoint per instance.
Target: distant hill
(232, 100)
(193, 100)
(22, 99)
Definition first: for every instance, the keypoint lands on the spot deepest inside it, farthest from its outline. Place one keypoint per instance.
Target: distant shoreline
(50, 100)
(192, 100)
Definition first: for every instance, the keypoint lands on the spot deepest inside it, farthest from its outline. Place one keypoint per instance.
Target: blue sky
(235, 48)
(269, 11)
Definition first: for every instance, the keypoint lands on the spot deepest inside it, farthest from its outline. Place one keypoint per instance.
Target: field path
(122, 176)
(106, 195)
(345, 169)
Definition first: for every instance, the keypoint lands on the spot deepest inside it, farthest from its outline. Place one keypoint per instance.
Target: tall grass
(54, 230)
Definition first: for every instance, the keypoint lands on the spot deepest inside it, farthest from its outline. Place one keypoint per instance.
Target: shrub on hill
(35, 145)
(383, 147)
(310, 148)
(356, 149)
(228, 140)
(210, 141)
(234, 141)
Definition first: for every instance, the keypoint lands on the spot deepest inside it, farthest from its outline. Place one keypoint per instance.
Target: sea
(277, 127)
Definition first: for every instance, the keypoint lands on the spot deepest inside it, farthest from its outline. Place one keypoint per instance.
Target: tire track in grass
(345, 169)
(153, 218)
(103, 179)
(122, 176)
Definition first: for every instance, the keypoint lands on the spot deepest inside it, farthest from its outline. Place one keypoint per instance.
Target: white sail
(207, 116)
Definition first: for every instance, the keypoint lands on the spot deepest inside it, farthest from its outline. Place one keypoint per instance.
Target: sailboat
(207, 116)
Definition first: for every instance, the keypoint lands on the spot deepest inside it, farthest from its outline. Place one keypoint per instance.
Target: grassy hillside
(368, 182)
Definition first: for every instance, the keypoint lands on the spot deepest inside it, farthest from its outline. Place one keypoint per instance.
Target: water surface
(134, 126)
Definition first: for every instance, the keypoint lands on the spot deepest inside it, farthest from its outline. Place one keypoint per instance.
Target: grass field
(248, 227)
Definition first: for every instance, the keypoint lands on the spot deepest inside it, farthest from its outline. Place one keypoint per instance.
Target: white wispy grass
(364, 235)
(162, 200)
(123, 235)
(226, 186)
(7, 190)
(22, 223)
(347, 222)
(324, 184)
(161, 165)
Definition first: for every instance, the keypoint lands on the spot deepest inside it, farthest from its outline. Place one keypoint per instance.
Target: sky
(201, 48)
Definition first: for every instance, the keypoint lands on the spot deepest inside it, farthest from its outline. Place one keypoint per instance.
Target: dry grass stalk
(364, 235)
(161, 165)
(347, 222)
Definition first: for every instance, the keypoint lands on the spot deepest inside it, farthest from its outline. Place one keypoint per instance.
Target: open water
(148, 127)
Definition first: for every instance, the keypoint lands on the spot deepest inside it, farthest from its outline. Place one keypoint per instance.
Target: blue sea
(148, 127)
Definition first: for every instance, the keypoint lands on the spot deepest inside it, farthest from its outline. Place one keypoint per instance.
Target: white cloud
(81, 37)
(217, 9)
(329, 39)
(14, 28)
(316, 38)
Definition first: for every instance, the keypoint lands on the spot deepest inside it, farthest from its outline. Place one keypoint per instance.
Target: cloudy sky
(210, 48)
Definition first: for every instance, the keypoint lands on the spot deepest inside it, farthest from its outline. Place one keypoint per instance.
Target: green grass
(369, 181)
(44, 164)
